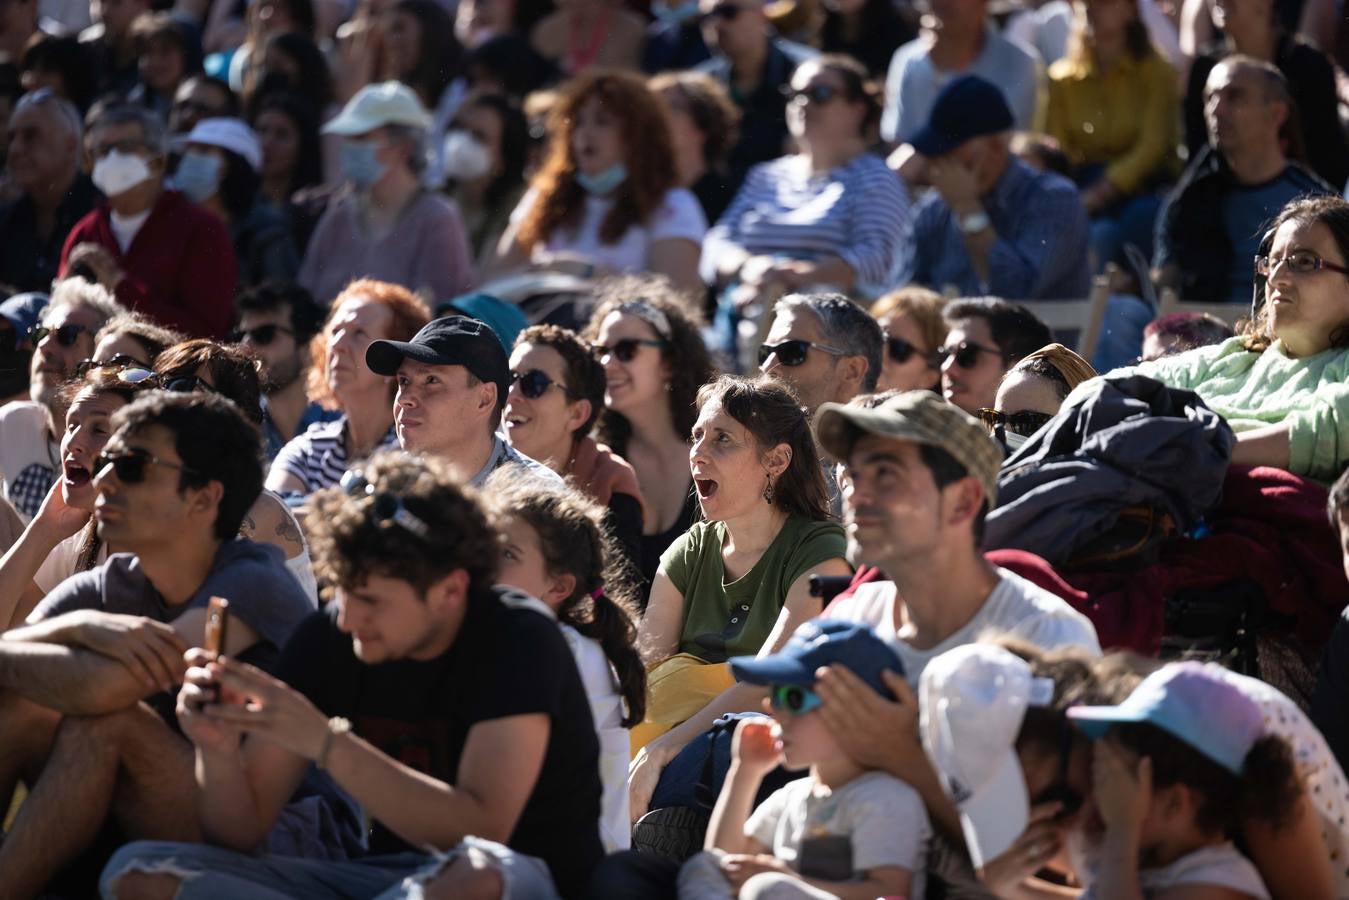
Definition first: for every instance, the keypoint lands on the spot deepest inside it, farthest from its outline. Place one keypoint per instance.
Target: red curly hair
(560, 200)
(410, 313)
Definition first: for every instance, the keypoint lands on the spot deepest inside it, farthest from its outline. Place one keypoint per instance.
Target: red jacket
(180, 267)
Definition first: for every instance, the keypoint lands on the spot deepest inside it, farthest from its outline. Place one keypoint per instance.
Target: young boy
(841, 831)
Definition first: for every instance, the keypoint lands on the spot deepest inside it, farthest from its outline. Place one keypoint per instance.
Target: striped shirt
(318, 457)
(858, 211)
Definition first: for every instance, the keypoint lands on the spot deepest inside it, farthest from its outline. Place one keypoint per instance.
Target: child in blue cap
(841, 831)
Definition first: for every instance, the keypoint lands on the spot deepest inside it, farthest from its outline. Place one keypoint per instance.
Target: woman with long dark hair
(292, 159)
(420, 50)
(483, 160)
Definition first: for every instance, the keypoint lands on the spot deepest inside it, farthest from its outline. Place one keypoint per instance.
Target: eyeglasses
(793, 353)
(794, 698)
(966, 354)
(130, 145)
(728, 12)
(1299, 262)
(119, 363)
(135, 373)
(65, 335)
(1061, 791)
(816, 93)
(384, 506)
(1024, 423)
(901, 351)
(129, 466)
(262, 335)
(535, 383)
(625, 349)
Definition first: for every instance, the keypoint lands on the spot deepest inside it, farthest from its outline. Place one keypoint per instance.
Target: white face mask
(466, 158)
(118, 172)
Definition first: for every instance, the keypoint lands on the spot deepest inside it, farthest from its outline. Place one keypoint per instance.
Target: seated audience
(1112, 108)
(451, 382)
(868, 31)
(674, 39)
(912, 330)
(984, 337)
(130, 339)
(112, 45)
(276, 324)
(654, 359)
(152, 248)
(581, 35)
(338, 379)
(879, 819)
(991, 224)
(605, 200)
(31, 430)
(178, 475)
(484, 169)
(822, 346)
(21, 24)
(1031, 393)
(1178, 332)
(1243, 175)
(44, 163)
(831, 214)
(169, 50)
(19, 316)
(556, 550)
(416, 642)
(389, 227)
(738, 581)
(292, 160)
(704, 125)
(200, 97)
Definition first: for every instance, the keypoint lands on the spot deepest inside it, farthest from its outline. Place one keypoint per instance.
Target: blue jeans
(1121, 337)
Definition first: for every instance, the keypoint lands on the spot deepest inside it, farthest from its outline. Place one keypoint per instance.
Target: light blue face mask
(198, 175)
(605, 182)
(676, 14)
(359, 165)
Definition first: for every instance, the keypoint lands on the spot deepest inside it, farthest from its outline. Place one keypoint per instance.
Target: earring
(768, 492)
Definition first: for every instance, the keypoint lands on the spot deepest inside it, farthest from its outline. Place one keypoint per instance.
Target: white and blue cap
(1191, 701)
(823, 642)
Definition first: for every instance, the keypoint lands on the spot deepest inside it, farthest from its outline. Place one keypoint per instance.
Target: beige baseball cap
(377, 105)
(921, 417)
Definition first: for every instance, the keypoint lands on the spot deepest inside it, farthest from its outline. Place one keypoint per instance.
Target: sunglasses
(262, 335)
(966, 354)
(535, 383)
(129, 466)
(1299, 262)
(65, 335)
(1024, 423)
(727, 12)
(384, 505)
(626, 349)
(901, 351)
(118, 364)
(817, 94)
(793, 353)
(794, 698)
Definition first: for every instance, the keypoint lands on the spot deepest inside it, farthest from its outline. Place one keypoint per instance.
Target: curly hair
(585, 375)
(233, 370)
(1327, 210)
(349, 545)
(410, 314)
(684, 350)
(560, 199)
(709, 106)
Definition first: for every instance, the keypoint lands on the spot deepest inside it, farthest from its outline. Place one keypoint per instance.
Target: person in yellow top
(1114, 108)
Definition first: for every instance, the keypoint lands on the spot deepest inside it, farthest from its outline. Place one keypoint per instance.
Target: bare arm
(676, 258)
(269, 521)
(658, 632)
(18, 593)
(511, 255)
(1269, 446)
(1293, 861)
(280, 481)
(882, 881)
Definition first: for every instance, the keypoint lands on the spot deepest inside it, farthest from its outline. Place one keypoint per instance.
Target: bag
(677, 688)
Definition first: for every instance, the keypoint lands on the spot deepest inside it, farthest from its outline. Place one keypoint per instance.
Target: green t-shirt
(724, 620)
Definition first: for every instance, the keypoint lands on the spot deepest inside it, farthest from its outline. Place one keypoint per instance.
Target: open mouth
(706, 487)
(77, 476)
(514, 421)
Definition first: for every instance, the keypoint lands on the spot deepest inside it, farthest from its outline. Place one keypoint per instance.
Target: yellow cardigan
(1128, 118)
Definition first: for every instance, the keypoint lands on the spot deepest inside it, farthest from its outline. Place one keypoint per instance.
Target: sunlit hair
(1328, 210)
(410, 313)
(233, 371)
(559, 200)
(922, 305)
(152, 337)
(712, 110)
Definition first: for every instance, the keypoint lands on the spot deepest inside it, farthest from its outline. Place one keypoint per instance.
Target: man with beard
(276, 322)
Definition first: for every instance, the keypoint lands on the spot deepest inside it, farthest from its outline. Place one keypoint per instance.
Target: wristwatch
(974, 222)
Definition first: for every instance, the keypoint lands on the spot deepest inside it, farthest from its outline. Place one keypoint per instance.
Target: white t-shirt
(883, 818)
(1220, 865)
(28, 456)
(606, 707)
(678, 216)
(1016, 607)
(125, 228)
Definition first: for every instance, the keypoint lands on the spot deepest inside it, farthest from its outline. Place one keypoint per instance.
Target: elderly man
(44, 161)
(156, 251)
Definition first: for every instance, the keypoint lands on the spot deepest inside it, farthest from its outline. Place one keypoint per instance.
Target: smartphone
(217, 620)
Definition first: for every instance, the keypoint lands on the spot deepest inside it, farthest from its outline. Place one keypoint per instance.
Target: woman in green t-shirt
(739, 581)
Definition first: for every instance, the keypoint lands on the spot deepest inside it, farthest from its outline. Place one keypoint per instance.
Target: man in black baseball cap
(992, 225)
(452, 382)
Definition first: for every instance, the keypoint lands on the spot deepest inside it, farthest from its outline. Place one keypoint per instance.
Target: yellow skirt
(676, 688)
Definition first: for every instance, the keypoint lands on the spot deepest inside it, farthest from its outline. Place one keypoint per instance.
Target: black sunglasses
(727, 11)
(794, 352)
(626, 349)
(129, 466)
(901, 351)
(1024, 423)
(65, 335)
(535, 383)
(118, 364)
(262, 335)
(384, 505)
(815, 93)
(966, 354)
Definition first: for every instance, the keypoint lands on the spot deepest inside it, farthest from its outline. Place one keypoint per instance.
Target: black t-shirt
(504, 662)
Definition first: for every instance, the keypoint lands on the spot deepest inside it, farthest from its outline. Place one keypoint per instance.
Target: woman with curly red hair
(606, 199)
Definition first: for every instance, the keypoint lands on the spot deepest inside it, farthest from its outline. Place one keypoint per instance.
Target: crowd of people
(609, 450)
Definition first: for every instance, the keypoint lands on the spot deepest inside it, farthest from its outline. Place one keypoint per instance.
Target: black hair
(215, 443)
(1043, 368)
(234, 373)
(302, 14)
(230, 108)
(512, 61)
(309, 154)
(946, 470)
(1015, 329)
(238, 185)
(314, 80)
(514, 147)
(860, 87)
(306, 317)
(71, 59)
(585, 375)
(439, 57)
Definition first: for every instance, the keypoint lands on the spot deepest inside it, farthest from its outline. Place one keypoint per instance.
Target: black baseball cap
(448, 341)
(968, 107)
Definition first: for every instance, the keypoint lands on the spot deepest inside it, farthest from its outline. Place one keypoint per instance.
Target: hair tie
(598, 593)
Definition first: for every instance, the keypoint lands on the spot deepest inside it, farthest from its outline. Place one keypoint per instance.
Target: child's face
(804, 738)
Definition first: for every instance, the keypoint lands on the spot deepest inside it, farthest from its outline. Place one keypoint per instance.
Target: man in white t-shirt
(919, 476)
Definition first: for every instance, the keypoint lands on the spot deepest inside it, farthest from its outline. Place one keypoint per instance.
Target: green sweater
(1253, 390)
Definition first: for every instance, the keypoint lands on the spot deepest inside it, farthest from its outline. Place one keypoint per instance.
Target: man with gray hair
(152, 248)
(30, 431)
(44, 161)
(823, 346)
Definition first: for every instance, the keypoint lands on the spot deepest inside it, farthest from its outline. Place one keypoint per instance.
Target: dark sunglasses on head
(174, 384)
(966, 354)
(65, 335)
(793, 353)
(385, 506)
(535, 383)
(119, 363)
(901, 351)
(1024, 423)
(626, 349)
(724, 11)
(129, 466)
(814, 93)
(794, 698)
(262, 335)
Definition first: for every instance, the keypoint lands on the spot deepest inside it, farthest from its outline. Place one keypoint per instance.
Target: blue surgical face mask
(359, 165)
(605, 182)
(674, 15)
(198, 175)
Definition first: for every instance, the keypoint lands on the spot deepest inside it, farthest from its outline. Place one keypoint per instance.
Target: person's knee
(470, 877)
(144, 886)
(772, 886)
